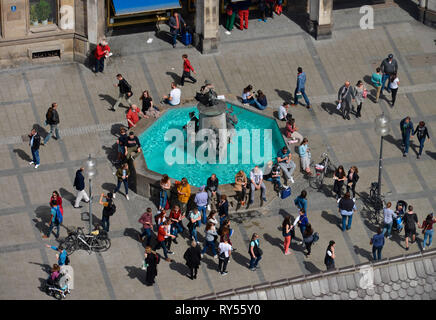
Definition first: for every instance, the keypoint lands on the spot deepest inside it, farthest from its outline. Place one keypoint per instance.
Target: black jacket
(124, 86)
(193, 257)
(54, 117)
(422, 132)
(355, 178)
(36, 142)
(173, 23)
(212, 185)
(346, 204)
(79, 181)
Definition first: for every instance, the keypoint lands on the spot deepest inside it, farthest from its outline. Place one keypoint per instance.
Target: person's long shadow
(132, 233)
(396, 142)
(367, 79)
(65, 194)
(284, 95)
(176, 78)
(240, 259)
(109, 99)
(330, 108)
(332, 218)
(277, 242)
(179, 267)
(44, 267)
(431, 154)
(109, 186)
(111, 152)
(164, 36)
(23, 155)
(362, 252)
(211, 264)
(136, 273)
(311, 267)
(43, 214)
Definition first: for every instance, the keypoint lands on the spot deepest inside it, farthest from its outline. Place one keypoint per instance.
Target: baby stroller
(62, 285)
(398, 221)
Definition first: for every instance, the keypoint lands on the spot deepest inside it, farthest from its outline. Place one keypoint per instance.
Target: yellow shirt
(183, 198)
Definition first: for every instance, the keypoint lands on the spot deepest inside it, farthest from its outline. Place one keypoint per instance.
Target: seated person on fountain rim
(132, 145)
(274, 176)
(260, 103)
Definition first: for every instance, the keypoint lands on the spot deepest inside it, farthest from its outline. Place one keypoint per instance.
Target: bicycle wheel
(70, 244)
(100, 245)
(314, 182)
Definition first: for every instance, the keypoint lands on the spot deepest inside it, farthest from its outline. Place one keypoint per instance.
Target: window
(43, 12)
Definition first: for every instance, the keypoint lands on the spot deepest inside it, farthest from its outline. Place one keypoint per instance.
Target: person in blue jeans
(210, 234)
(406, 127)
(377, 241)
(35, 141)
(301, 84)
(302, 222)
(254, 251)
(175, 22)
(427, 227)
(260, 102)
(55, 219)
(421, 133)
(194, 220)
(388, 215)
(346, 208)
(301, 201)
(201, 200)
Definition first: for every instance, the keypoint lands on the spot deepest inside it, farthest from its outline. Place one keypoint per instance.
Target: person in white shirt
(283, 111)
(393, 85)
(174, 96)
(224, 250)
(256, 178)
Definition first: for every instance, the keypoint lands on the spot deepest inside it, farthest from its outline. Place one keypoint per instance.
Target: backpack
(49, 115)
(59, 218)
(112, 208)
(315, 237)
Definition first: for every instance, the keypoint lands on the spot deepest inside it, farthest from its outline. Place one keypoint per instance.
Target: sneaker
(418, 156)
(31, 162)
(264, 199)
(36, 166)
(170, 252)
(224, 273)
(253, 269)
(390, 236)
(292, 179)
(300, 242)
(113, 195)
(407, 249)
(143, 268)
(423, 249)
(308, 107)
(287, 253)
(208, 207)
(127, 197)
(228, 32)
(404, 154)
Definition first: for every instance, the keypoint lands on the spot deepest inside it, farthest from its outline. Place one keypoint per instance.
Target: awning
(123, 7)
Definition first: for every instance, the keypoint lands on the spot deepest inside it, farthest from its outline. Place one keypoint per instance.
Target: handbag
(365, 93)
(299, 95)
(285, 193)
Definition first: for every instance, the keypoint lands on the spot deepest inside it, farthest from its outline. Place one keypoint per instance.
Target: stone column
(427, 12)
(320, 16)
(206, 24)
(92, 15)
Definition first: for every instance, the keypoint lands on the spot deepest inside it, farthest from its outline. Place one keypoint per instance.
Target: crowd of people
(210, 206)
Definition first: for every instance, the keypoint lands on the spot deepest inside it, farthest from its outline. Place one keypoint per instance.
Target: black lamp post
(382, 128)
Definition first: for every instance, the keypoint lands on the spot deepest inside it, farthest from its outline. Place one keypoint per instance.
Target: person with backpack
(286, 232)
(192, 257)
(147, 224)
(377, 241)
(427, 230)
(151, 260)
(421, 133)
(58, 199)
(124, 93)
(123, 174)
(330, 256)
(61, 255)
(52, 119)
(302, 222)
(308, 238)
(410, 219)
(254, 251)
(225, 251)
(109, 209)
(55, 219)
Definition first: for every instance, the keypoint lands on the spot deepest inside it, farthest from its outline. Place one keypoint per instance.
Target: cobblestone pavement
(267, 56)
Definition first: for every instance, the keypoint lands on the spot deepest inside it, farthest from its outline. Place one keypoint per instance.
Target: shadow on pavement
(396, 142)
(176, 78)
(332, 218)
(136, 273)
(23, 155)
(43, 214)
(109, 99)
(284, 95)
(65, 194)
(309, 266)
(330, 108)
(211, 264)
(277, 242)
(362, 252)
(132, 233)
(179, 267)
(239, 259)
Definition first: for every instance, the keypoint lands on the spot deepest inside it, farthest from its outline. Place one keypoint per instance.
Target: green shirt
(376, 79)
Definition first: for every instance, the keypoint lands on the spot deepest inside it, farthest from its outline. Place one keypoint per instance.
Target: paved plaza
(267, 56)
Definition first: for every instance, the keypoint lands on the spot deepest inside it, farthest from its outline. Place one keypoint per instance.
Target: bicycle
(377, 203)
(322, 168)
(96, 241)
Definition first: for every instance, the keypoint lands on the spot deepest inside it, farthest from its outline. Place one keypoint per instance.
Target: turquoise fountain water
(154, 146)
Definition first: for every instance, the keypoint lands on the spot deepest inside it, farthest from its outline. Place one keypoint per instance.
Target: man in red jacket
(187, 68)
(101, 52)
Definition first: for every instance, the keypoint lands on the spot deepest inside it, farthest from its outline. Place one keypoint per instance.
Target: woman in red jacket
(101, 52)
(56, 197)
